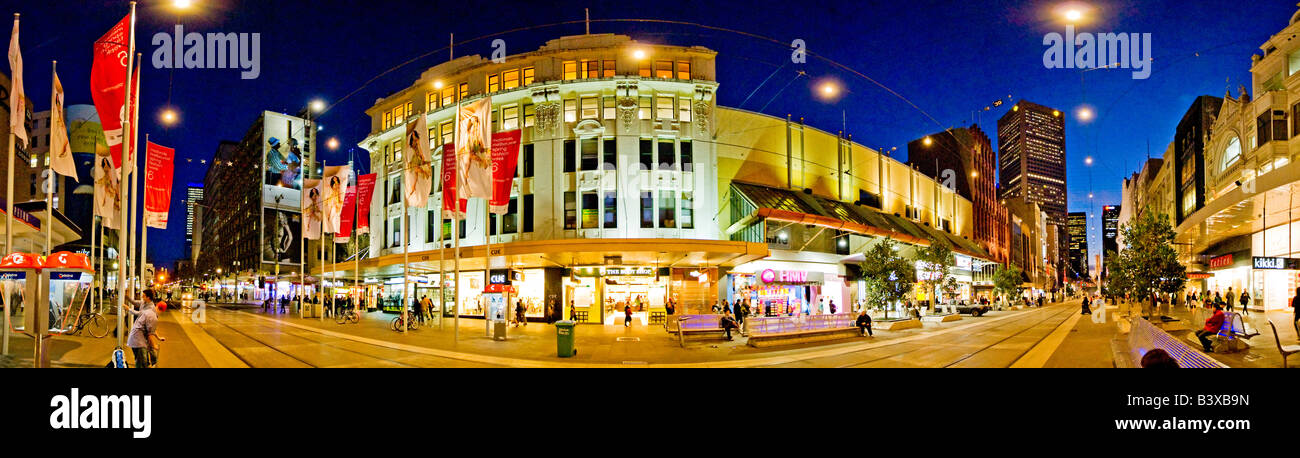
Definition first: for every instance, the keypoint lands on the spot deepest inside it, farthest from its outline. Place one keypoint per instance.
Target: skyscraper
(1109, 231)
(1189, 153)
(964, 158)
(194, 194)
(1078, 261)
(1031, 138)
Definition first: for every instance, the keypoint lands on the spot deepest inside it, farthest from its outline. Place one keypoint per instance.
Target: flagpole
(455, 214)
(53, 182)
(121, 196)
(144, 225)
(406, 259)
(320, 292)
(442, 250)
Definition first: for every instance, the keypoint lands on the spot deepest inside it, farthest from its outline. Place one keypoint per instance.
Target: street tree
(1007, 281)
(1147, 265)
(935, 262)
(888, 276)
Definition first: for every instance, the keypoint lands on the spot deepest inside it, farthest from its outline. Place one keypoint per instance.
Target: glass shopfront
(638, 288)
(789, 292)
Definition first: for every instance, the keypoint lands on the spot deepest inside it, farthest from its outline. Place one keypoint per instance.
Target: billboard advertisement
(283, 138)
(282, 236)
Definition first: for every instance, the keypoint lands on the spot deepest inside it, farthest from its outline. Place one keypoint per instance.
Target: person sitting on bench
(727, 323)
(864, 324)
(1212, 326)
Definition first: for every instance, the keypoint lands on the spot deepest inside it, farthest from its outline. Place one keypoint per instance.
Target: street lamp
(182, 4)
(332, 144)
(169, 117)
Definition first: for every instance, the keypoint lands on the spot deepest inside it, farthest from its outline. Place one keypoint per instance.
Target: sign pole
(121, 196)
(52, 183)
(406, 262)
(144, 226)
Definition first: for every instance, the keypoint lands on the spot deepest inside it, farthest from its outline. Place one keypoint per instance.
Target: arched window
(1231, 154)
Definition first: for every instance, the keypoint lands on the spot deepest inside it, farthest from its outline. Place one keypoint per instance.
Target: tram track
(295, 334)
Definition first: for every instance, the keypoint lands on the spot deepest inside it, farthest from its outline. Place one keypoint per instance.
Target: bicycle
(348, 315)
(398, 322)
(94, 323)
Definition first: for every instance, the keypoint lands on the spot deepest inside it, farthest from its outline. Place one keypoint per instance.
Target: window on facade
(509, 118)
(394, 190)
(570, 70)
(664, 69)
(528, 213)
(611, 154)
(684, 110)
(688, 156)
(493, 83)
(395, 239)
(530, 116)
(528, 160)
(590, 108)
(570, 153)
(647, 210)
(530, 75)
(464, 90)
(570, 111)
(610, 107)
(688, 210)
(644, 69)
(433, 101)
(1279, 125)
(430, 226)
(570, 210)
(611, 210)
(667, 156)
(448, 132)
(510, 222)
(448, 96)
(608, 69)
(667, 209)
(593, 68)
(590, 156)
(643, 110)
(647, 154)
(590, 210)
(388, 120)
(446, 229)
(510, 79)
(496, 120)
(683, 70)
(397, 151)
(1295, 120)
(664, 107)
(1231, 153)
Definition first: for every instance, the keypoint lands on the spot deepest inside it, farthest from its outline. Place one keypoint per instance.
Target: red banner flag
(365, 191)
(505, 159)
(346, 219)
(449, 185)
(108, 85)
(158, 185)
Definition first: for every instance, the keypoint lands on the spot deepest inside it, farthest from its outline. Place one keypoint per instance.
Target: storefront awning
(562, 253)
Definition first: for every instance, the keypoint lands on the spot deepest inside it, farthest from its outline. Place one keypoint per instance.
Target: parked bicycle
(349, 315)
(398, 324)
(93, 323)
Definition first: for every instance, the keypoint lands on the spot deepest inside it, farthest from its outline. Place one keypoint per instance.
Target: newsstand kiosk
(20, 275)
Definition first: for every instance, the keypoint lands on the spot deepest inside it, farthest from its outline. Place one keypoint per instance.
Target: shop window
(664, 107)
(570, 111)
(570, 153)
(570, 210)
(647, 210)
(590, 154)
(688, 210)
(683, 70)
(667, 155)
(530, 116)
(668, 209)
(611, 154)
(570, 70)
(530, 75)
(688, 156)
(590, 210)
(528, 160)
(664, 69)
(647, 154)
(510, 79)
(590, 108)
(611, 210)
(528, 213)
(608, 67)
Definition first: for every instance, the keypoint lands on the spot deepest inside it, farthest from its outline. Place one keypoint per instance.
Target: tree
(888, 276)
(1007, 281)
(1148, 263)
(935, 261)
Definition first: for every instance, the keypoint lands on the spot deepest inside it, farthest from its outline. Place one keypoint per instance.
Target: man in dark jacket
(864, 324)
(727, 323)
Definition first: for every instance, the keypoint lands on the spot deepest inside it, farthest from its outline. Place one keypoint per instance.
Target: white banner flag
(474, 149)
(333, 194)
(107, 205)
(311, 209)
(60, 151)
(17, 99)
(417, 170)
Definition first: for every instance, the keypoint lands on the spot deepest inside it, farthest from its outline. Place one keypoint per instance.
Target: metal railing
(1144, 337)
(785, 324)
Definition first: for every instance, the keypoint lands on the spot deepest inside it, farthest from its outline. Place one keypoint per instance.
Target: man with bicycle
(144, 340)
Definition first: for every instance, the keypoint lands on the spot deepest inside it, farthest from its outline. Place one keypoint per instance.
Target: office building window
(688, 210)
(664, 107)
(530, 116)
(510, 222)
(528, 213)
(510, 79)
(570, 210)
(590, 155)
(667, 209)
(608, 69)
(647, 210)
(590, 210)
(528, 160)
(570, 111)
(611, 210)
(590, 108)
(570, 70)
(664, 69)
(667, 155)
(530, 75)
(510, 118)
(683, 70)
(643, 111)
(688, 156)
(493, 83)
(611, 154)
(647, 154)
(570, 156)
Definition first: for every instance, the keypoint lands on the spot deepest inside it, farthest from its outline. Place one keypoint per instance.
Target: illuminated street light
(1087, 160)
(317, 106)
(169, 116)
(927, 141)
(1085, 114)
(332, 143)
(1073, 15)
(437, 84)
(182, 4)
(638, 54)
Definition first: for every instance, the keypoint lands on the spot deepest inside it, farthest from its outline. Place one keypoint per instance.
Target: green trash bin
(564, 338)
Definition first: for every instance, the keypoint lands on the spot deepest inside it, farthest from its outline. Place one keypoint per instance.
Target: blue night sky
(949, 58)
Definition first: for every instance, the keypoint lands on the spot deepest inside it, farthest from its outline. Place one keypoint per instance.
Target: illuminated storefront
(785, 288)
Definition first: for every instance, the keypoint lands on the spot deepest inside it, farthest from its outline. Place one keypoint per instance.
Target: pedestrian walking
(1229, 298)
(519, 313)
(1245, 302)
(1087, 307)
(627, 316)
(833, 310)
(1295, 306)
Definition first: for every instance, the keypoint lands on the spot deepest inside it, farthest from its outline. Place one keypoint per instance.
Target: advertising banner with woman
(417, 172)
(473, 149)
